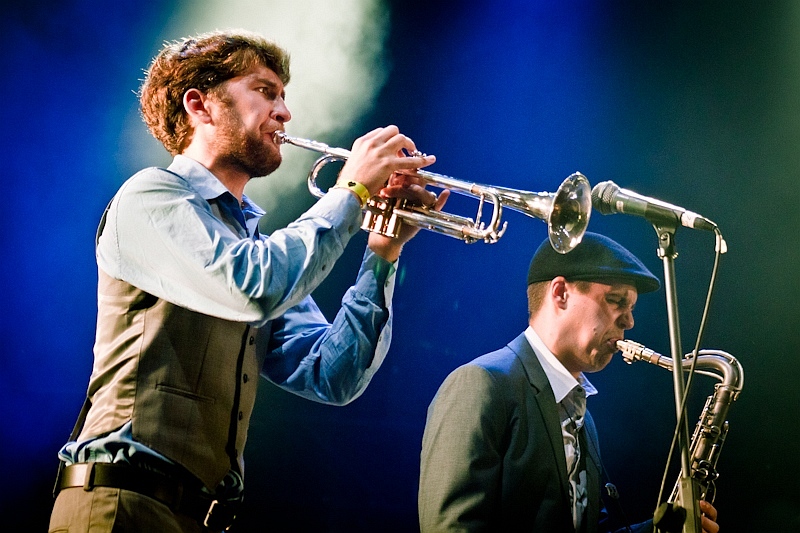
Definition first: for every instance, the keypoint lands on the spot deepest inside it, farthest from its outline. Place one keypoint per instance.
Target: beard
(244, 149)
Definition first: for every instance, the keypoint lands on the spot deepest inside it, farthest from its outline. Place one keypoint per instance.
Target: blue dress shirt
(180, 235)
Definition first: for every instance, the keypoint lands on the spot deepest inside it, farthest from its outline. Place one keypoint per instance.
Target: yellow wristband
(361, 191)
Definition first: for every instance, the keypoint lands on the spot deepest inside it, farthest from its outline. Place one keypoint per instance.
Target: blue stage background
(696, 103)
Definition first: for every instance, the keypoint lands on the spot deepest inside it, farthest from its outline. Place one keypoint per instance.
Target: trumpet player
(194, 303)
(509, 444)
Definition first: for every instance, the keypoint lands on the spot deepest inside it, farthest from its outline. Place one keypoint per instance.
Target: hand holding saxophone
(709, 517)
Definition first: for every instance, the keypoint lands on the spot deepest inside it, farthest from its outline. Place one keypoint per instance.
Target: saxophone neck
(714, 363)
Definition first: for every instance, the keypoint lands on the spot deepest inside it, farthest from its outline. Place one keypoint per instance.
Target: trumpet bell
(569, 217)
(565, 211)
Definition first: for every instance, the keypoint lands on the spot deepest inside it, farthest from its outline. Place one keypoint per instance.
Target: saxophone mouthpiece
(633, 351)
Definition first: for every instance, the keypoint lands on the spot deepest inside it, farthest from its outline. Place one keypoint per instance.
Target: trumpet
(565, 211)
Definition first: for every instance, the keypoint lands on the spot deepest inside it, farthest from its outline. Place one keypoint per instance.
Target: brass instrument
(566, 211)
(712, 428)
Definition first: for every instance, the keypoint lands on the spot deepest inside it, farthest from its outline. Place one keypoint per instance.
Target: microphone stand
(688, 489)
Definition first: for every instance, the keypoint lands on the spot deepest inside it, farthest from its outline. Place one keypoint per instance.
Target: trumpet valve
(380, 216)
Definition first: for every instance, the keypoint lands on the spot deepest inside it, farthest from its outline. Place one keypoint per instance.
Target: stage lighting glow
(338, 67)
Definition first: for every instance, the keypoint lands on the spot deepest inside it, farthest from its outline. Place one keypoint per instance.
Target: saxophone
(712, 428)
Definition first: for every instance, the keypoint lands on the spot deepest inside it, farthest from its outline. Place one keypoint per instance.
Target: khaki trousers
(107, 510)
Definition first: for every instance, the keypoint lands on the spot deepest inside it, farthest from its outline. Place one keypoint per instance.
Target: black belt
(181, 497)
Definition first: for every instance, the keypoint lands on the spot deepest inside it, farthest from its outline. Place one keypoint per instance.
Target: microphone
(609, 198)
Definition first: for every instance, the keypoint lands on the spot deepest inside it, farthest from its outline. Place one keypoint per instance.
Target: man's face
(252, 108)
(593, 322)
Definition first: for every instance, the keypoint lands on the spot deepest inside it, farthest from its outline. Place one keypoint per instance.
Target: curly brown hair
(202, 62)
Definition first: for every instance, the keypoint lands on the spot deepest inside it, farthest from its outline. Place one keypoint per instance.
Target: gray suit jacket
(492, 453)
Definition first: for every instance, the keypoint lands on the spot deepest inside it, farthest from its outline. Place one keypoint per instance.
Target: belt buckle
(219, 516)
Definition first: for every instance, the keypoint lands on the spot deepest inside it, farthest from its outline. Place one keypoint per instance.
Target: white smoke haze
(337, 65)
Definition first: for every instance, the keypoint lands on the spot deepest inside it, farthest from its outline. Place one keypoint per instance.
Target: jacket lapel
(543, 393)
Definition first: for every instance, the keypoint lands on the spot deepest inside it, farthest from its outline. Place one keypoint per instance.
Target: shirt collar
(210, 188)
(207, 184)
(561, 381)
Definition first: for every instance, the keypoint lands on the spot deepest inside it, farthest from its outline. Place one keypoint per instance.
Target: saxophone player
(509, 444)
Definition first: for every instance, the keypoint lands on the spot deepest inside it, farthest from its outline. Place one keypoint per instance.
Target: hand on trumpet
(410, 188)
(379, 154)
(384, 160)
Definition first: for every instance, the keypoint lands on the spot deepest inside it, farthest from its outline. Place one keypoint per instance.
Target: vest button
(252, 340)
(241, 415)
(245, 378)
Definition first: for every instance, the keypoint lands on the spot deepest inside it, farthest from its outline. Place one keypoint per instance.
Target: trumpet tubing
(565, 211)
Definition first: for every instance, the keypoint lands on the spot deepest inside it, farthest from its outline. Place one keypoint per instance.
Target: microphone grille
(603, 197)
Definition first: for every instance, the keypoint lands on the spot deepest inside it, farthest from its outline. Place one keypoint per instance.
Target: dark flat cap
(597, 258)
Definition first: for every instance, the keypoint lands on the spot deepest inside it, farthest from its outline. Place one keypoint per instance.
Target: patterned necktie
(574, 406)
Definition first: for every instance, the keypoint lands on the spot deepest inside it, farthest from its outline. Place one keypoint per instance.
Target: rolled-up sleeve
(333, 362)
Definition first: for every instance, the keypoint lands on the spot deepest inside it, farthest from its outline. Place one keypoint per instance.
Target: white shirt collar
(561, 381)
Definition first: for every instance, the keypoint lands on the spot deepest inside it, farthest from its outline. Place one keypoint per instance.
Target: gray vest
(187, 381)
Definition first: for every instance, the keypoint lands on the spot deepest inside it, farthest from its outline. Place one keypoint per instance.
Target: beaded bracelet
(361, 191)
